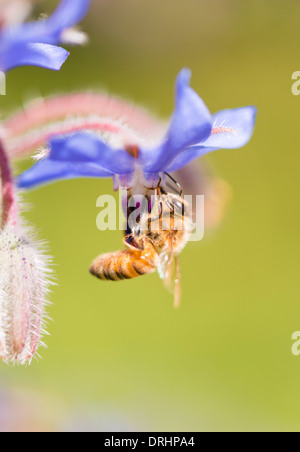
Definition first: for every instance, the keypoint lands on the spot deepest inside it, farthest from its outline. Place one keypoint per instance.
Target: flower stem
(9, 205)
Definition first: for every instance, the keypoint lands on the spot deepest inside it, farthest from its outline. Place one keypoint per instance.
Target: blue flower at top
(192, 132)
(35, 44)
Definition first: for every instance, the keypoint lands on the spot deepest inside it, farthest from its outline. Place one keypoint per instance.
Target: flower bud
(23, 288)
(13, 12)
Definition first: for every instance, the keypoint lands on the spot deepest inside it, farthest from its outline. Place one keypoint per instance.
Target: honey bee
(154, 243)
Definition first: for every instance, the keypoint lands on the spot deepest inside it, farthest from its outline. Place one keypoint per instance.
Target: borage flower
(35, 43)
(192, 132)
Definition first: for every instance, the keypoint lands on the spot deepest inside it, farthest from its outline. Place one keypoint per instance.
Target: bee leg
(171, 207)
(130, 242)
(177, 288)
(176, 183)
(157, 205)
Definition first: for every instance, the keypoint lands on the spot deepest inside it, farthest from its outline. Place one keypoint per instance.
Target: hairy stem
(9, 205)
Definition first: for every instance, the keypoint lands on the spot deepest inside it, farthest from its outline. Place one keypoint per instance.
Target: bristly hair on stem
(9, 204)
(24, 279)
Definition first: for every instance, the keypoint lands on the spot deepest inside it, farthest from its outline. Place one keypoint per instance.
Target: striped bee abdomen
(126, 264)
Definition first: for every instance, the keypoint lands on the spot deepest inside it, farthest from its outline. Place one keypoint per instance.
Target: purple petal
(81, 154)
(88, 147)
(17, 42)
(42, 55)
(68, 14)
(47, 171)
(188, 156)
(191, 123)
(232, 129)
(48, 31)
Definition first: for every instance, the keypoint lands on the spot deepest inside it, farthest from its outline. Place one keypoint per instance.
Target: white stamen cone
(74, 36)
(23, 289)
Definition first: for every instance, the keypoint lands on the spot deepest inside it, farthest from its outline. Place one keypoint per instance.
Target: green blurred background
(119, 356)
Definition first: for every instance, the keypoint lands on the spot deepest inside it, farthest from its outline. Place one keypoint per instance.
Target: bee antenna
(175, 182)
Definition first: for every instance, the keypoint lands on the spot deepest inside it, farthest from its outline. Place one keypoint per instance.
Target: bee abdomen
(121, 265)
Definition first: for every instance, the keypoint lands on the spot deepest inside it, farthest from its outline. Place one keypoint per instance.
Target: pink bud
(14, 12)
(23, 288)
(23, 279)
(120, 123)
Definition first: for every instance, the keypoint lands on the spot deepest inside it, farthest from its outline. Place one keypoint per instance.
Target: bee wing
(201, 180)
(169, 271)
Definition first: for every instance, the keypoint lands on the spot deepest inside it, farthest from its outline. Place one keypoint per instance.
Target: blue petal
(88, 147)
(191, 123)
(81, 154)
(42, 55)
(47, 171)
(48, 31)
(68, 14)
(232, 129)
(188, 156)
(16, 42)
